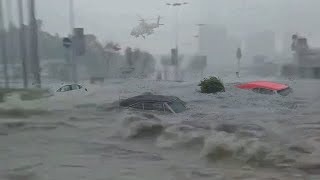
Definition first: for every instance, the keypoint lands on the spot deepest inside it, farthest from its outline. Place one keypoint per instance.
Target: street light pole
(3, 47)
(71, 16)
(10, 42)
(72, 48)
(23, 52)
(176, 56)
(177, 28)
(34, 44)
(199, 37)
(177, 48)
(177, 5)
(10, 34)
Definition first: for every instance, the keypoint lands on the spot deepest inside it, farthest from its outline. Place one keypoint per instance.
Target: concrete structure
(306, 60)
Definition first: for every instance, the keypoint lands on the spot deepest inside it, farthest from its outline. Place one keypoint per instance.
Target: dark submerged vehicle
(153, 102)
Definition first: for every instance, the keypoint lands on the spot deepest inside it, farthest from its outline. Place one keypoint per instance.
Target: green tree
(211, 85)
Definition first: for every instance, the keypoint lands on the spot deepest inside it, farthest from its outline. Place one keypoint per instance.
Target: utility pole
(23, 52)
(10, 36)
(3, 47)
(34, 44)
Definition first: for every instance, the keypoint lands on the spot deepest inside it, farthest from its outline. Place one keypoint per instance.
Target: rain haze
(114, 19)
(159, 89)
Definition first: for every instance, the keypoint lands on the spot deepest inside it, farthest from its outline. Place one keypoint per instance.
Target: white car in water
(72, 88)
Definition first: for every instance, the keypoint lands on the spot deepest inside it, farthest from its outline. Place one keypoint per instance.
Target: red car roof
(263, 84)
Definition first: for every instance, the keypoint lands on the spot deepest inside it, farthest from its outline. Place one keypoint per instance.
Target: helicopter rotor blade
(156, 18)
(140, 18)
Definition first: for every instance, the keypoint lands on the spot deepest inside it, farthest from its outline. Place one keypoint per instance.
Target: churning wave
(224, 146)
(245, 143)
(141, 126)
(13, 106)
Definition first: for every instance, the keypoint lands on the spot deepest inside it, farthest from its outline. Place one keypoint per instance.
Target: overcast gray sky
(114, 19)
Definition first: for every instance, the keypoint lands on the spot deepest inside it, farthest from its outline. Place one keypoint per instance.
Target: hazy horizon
(113, 20)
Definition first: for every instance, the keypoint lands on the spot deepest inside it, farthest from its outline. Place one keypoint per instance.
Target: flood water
(233, 135)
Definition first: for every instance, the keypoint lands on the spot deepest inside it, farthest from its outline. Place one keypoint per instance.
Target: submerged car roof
(148, 98)
(69, 84)
(263, 84)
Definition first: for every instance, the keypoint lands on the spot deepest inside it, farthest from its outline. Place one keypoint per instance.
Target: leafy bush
(211, 85)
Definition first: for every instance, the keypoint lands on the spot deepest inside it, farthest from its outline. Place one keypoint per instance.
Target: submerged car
(267, 87)
(71, 87)
(153, 102)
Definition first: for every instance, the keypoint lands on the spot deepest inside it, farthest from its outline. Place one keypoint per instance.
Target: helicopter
(145, 29)
(177, 4)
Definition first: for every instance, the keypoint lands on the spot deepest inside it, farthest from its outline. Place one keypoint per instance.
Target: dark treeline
(108, 61)
(103, 60)
(50, 46)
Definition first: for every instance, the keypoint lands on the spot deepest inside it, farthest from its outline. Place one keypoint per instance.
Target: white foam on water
(178, 135)
(221, 146)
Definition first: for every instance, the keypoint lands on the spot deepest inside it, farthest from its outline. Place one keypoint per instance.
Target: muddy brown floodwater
(233, 135)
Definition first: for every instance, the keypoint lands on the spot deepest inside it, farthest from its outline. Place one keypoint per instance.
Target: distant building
(217, 45)
(286, 42)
